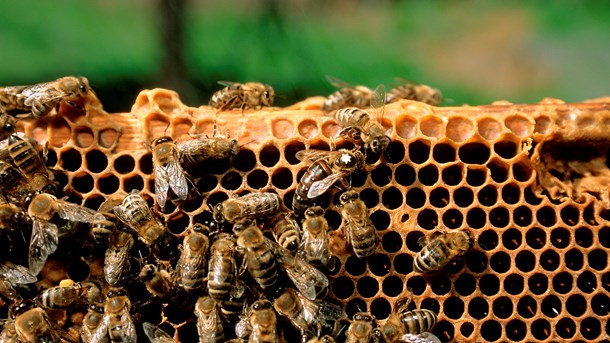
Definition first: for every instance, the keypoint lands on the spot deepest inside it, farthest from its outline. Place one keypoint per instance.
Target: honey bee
(27, 159)
(442, 248)
(403, 322)
(358, 227)
(14, 225)
(136, 214)
(193, 259)
(12, 275)
(358, 125)
(327, 168)
(105, 223)
(412, 91)
(93, 330)
(117, 319)
(156, 334)
(222, 266)
(158, 282)
(309, 317)
(193, 152)
(263, 322)
(69, 294)
(314, 247)
(347, 96)
(311, 282)
(259, 256)
(32, 323)
(209, 324)
(249, 206)
(249, 95)
(286, 232)
(46, 229)
(7, 124)
(12, 182)
(168, 171)
(361, 329)
(116, 258)
(41, 98)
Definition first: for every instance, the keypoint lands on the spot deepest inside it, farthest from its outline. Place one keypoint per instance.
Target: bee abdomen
(431, 258)
(418, 321)
(289, 240)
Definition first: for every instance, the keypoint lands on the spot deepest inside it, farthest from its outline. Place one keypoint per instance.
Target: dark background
(474, 51)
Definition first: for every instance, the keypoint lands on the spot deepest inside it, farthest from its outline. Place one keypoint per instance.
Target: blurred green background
(474, 51)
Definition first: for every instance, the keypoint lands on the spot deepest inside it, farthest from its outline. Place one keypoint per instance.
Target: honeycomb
(529, 181)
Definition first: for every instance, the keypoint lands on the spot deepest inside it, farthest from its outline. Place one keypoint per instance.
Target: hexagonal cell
(460, 129)
(432, 126)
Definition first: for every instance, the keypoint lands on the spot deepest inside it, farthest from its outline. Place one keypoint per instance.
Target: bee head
(161, 140)
(22, 307)
(314, 211)
(116, 293)
(268, 95)
(379, 144)
(363, 316)
(348, 197)
(261, 305)
(218, 216)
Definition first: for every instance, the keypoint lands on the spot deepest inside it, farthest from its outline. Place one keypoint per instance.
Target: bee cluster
(319, 222)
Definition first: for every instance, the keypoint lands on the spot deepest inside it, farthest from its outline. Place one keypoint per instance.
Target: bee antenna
(252, 141)
(165, 131)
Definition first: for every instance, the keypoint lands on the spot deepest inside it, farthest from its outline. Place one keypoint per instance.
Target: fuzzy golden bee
(403, 321)
(327, 168)
(249, 206)
(39, 99)
(209, 323)
(136, 214)
(314, 247)
(249, 95)
(117, 322)
(411, 91)
(106, 222)
(361, 329)
(27, 159)
(286, 232)
(358, 227)
(222, 268)
(116, 259)
(442, 248)
(263, 322)
(358, 126)
(33, 325)
(194, 152)
(348, 96)
(260, 257)
(168, 171)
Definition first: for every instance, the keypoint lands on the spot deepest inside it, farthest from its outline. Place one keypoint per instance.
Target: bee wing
(337, 82)
(314, 155)
(161, 185)
(110, 203)
(320, 187)
(425, 337)
(100, 334)
(177, 179)
(129, 331)
(206, 325)
(304, 276)
(226, 83)
(155, 334)
(41, 92)
(76, 213)
(16, 274)
(43, 243)
(114, 263)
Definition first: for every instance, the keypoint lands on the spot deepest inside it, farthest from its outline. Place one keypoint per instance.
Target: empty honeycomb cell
(499, 217)
(417, 284)
(466, 329)
(489, 284)
(419, 151)
(216, 198)
(51, 159)
(463, 197)
(443, 153)
(177, 223)
(354, 306)
(145, 163)
(96, 161)
(379, 264)
(491, 330)
(546, 216)
(465, 284)
(489, 128)
(231, 181)
(488, 195)
(370, 197)
(431, 304)
(439, 197)
(522, 216)
(516, 330)
(427, 219)
(392, 286)
(460, 129)
(541, 329)
(257, 179)
(474, 153)
(604, 236)
(506, 149)
(498, 170)
(156, 126)
(512, 238)
(412, 240)
(454, 266)
(206, 183)
(525, 261)
(432, 126)
(488, 240)
(563, 282)
(527, 307)
(583, 237)
(478, 308)
(269, 155)
(502, 307)
(551, 306)
(428, 175)
(500, 262)
(415, 198)
(94, 201)
(574, 259)
(520, 125)
(380, 219)
(565, 328)
(404, 175)
(244, 161)
(333, 218)
(598, 259)
(476, 218)
(600, 304)
(367, 286)
(549, 260)
(522, 170)
(535, 238)
(452, 175)
(61, 179)
(403, 264)
(133, 182)
(511, 193)
(70, 159)
(406, 126)
(82, 182)
(587, 282)
(355, 266)
(78, 270)
(453, 219)
(309, 129)
(282, 128)
(570, 215)
(358, 179)
(123, 164)
(281, 178)
(381, 175)
(513, 284)
(476, 262)
(192, 204)
(560, 237)
(290, 151)
(83, 136)
(381, 308)
(395, 152)
(440, 285)
(108, 138)
(169, 208)
(453, 307)
(543, 124)
(476, 176)
(108, 184)
(59, 131)
(576, 305)
(590, 215)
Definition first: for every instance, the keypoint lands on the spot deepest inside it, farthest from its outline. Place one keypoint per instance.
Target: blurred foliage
(474, 51)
